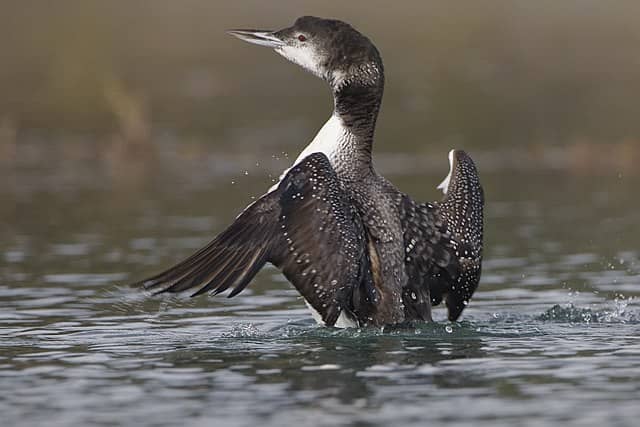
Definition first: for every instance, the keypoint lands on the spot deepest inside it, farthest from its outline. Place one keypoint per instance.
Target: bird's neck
(347, 137)
(357, 98)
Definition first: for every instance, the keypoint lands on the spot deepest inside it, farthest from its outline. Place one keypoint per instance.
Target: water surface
(550, 338)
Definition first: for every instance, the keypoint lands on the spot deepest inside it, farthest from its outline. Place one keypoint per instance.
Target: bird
(359, 251)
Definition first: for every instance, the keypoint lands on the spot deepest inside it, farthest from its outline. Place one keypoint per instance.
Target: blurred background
(118, 117)
(498, 75)
(106, 106)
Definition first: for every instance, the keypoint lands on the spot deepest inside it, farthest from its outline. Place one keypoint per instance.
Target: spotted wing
(429, 251)
(462, 209)
(444, 241)
(308, 228)
(322, 242)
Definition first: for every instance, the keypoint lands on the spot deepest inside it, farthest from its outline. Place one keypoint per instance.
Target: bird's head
(332, 50)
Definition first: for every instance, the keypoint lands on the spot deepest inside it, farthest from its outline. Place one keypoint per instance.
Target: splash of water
(618, 313)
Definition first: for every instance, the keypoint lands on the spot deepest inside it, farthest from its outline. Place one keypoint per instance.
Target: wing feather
(308, 228)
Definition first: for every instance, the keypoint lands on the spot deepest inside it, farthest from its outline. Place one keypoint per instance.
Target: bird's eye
(302, 38)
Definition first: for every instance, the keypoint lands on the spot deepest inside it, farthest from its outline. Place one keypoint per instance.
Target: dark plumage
(462, 210)
(358, 250)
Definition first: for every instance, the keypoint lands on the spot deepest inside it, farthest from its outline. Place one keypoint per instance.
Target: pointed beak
(259, 37)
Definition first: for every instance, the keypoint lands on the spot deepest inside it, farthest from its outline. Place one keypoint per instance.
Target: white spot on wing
(444, 185)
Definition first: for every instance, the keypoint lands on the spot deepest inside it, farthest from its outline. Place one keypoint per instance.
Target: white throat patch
(303, 56)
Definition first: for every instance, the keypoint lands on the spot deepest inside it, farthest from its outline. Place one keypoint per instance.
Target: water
(551, 337)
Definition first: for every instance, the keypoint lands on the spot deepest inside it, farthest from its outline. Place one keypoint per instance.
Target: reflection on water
(550, 338)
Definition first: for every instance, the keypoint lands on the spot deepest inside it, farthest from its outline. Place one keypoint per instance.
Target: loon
(359, 251)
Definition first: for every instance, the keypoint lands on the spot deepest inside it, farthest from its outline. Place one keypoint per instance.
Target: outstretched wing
(322, 245)
(462, 209)
(308, 228)
(444, 241)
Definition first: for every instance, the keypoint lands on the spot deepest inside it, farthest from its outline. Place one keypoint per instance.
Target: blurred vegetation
(488, 74)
